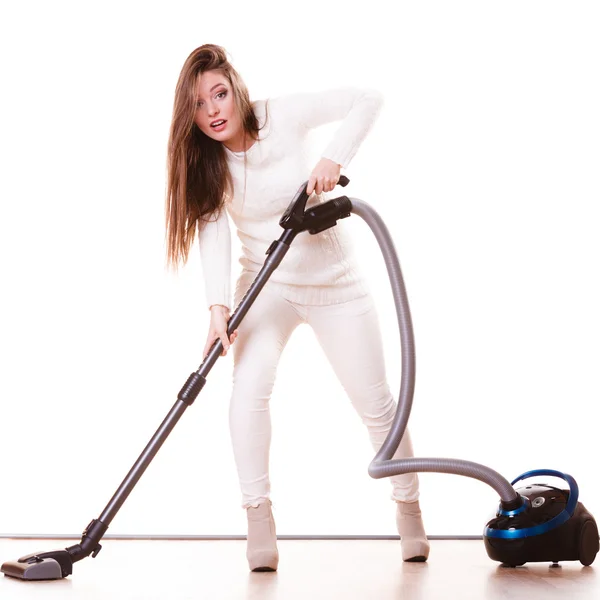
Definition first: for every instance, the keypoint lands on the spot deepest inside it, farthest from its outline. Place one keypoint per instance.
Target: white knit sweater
(317, 269)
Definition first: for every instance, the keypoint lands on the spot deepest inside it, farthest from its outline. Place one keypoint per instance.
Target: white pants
(350, 337)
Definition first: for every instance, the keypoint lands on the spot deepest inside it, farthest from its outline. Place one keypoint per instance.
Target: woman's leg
(262, 335)
(349, 334)
(350, 337)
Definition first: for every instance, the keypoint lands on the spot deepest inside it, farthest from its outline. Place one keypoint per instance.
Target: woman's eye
(199, 103)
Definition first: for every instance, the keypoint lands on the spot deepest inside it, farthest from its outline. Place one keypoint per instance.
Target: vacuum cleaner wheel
(588, 543)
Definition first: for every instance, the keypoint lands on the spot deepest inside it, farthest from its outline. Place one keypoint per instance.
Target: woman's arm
(358, 108)
(214, 240)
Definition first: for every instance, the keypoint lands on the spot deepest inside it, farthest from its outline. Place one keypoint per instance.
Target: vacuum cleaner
(533, 523)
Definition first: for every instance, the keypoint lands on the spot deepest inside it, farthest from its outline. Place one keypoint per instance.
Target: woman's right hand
(219, 316)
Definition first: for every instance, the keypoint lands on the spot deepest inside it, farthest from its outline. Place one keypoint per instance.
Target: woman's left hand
(324, 177)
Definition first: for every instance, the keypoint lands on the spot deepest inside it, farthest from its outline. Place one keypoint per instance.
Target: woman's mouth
(218, 125)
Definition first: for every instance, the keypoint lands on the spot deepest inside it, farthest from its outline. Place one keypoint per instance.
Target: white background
(484, 163)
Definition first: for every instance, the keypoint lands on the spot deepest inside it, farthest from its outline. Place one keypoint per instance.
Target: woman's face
(216, 113)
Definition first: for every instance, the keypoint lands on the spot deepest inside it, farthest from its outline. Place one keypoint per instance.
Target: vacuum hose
(383, 465)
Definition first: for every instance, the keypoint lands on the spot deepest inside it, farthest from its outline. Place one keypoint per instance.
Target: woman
(228, 155)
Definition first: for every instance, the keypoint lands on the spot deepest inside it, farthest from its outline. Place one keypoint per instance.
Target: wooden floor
(308, 570)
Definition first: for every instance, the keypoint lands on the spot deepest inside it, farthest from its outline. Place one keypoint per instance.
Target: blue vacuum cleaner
(534, 523)
(550, 525)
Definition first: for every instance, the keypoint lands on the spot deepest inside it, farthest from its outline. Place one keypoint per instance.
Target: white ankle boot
(415, 547)
(262, 553)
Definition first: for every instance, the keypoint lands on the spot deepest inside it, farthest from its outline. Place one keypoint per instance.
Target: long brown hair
(198, 177)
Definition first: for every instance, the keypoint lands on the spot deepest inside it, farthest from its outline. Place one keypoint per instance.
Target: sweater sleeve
(358, 108)
(214, 240)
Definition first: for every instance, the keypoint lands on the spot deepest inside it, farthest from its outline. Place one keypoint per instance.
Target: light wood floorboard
(308, 570)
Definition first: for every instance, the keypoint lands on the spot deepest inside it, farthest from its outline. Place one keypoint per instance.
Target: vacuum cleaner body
(550, 526)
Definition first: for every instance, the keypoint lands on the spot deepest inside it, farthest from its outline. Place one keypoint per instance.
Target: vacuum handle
(294, 213)
(343, 181)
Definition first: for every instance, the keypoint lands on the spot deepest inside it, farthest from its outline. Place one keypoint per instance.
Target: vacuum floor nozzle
(42, 565)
